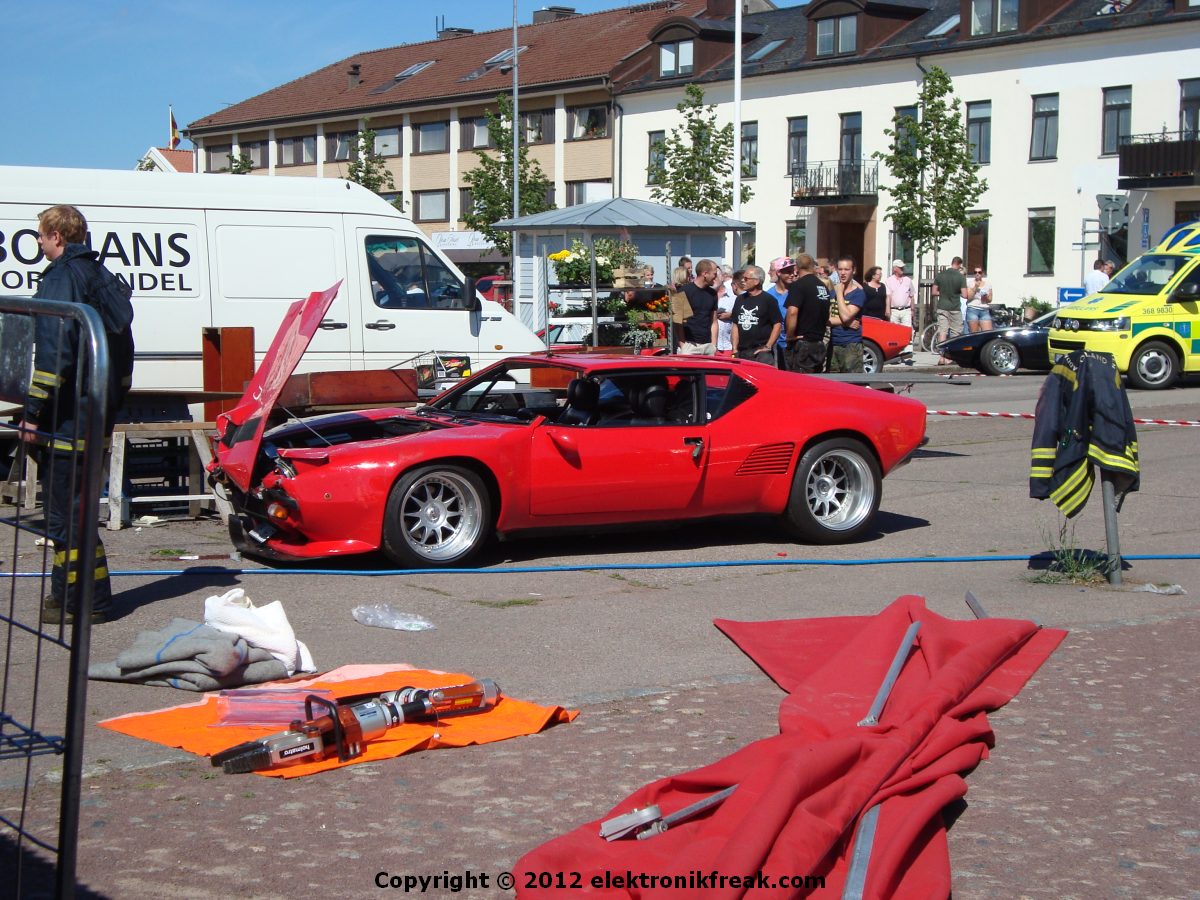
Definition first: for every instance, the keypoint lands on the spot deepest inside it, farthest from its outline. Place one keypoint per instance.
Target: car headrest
(653, 400)
(583, 394)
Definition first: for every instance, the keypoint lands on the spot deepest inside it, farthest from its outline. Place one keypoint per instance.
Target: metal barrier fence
(43, 667)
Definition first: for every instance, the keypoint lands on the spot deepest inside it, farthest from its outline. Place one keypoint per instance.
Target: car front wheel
(835, 492)
(1153, 367)
(438, 515)
(872, 357)
(999, 357)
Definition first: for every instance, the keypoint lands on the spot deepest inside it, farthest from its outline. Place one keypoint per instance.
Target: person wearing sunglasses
(979, 298)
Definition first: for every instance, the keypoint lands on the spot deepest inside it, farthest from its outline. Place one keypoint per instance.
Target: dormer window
(837, 36)
(413, 70)
(675, 58)
(994, 16)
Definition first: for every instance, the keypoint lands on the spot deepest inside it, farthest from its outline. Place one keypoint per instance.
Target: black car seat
(583, 400)
(650, 403)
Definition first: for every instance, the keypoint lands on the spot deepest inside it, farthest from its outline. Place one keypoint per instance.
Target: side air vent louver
(772, 459)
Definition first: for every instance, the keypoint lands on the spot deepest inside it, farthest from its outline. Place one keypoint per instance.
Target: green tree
(491, 180)
(695, 163)
(935, 181)
(368, 168)
(241, 164)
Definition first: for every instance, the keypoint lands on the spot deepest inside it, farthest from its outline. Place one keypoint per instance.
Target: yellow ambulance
(1147, 317)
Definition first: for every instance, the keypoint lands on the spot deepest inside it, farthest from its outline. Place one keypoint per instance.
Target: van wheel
(437, 515)
(1153, 367)
(835, 492)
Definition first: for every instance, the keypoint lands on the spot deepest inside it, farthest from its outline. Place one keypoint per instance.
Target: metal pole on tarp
(1108, 493)
(595, 324)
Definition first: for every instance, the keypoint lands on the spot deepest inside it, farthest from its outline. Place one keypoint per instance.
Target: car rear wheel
(872, 357)
(438, 515)
(1153, 367)
(835, 492)
(999, 357)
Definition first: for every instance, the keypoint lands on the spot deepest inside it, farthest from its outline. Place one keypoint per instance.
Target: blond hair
(66, 220)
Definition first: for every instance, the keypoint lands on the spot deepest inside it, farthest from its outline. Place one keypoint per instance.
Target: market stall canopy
(622, 212)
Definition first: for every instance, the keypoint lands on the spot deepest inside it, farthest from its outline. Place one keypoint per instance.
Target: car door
(1185, 311)
(622, 463)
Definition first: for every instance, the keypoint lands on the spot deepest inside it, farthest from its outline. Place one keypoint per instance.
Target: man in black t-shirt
(807, 313)
(700, 329)
(756, 320)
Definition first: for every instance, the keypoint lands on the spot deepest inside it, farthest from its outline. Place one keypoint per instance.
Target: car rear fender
(844, 433)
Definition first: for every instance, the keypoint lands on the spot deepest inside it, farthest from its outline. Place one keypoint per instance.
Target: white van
(229, 250)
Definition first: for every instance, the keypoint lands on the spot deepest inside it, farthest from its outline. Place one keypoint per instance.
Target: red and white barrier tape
(1187, 423)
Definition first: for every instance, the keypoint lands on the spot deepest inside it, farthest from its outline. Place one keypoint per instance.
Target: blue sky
(87, 84)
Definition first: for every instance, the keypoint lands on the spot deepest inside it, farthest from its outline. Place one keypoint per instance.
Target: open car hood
(241, 429)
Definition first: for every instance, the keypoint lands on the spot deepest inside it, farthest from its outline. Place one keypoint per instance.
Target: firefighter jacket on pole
(1083, 419)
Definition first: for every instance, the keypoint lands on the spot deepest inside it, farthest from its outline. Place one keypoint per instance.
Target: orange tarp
(193, 726)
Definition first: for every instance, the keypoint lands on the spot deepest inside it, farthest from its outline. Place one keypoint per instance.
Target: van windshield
(1146, 275)
(406, 274)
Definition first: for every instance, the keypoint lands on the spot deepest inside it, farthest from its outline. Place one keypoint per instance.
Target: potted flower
(1032, 307)
(574, 265)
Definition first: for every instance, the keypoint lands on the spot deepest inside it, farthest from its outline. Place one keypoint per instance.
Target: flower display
(573, 265)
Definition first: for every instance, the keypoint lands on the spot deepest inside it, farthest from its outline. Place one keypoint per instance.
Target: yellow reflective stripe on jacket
(49, 379)
(1081, 473)
(1041, 471)
(1112, 460)
(1043, 453)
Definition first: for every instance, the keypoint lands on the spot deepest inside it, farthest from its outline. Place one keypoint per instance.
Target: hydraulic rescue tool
(344, 728)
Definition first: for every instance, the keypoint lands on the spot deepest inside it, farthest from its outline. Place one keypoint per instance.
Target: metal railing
(835, 179)
(1162, 154)
(43, 668)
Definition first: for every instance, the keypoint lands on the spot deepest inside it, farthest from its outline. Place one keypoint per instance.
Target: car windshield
(516, 393)
(1146, 275)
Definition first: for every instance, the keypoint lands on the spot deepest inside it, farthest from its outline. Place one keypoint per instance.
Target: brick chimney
(719, 9)
(552, 14)
(353, 76)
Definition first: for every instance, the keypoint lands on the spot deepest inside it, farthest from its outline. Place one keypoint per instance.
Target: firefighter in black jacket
(56, 414)
(1083, 419)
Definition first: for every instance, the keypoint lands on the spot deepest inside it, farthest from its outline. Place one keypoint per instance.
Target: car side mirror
(474, 304)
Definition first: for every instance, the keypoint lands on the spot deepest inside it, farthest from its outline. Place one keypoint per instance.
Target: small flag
(175, 137)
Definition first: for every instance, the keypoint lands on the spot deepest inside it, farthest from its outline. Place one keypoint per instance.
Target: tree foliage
(239, 164)
(696, 167)
(492, 178)
(368, 168)
(935, 181)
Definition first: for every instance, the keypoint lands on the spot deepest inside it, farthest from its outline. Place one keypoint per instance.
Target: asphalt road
(635, 650)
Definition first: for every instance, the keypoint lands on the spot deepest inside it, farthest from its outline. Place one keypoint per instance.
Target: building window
(579, 192)
(851, 143)
(655, 156)
(903, 248)
(588, 122)
(537, 126)
(466, 202)
(765, 50)
(217, 158)
(975, 241)
(797, 144)
(749, 149)
(1040, 251)
(796, 240)
(675, 58)
(431, 137)
(838, 36)
(259, 153)
(1118, 105)
(298, 151)
(1043, 139)
(994, 16)
(474, 133)
(431, 206)
(904, 125)
(979, 131)
(340, 146)
(1189, 109)
(387, 141)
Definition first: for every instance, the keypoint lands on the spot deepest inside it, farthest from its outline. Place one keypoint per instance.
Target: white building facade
(1047, 118)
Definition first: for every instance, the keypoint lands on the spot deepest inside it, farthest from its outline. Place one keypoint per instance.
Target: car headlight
(1121, 323)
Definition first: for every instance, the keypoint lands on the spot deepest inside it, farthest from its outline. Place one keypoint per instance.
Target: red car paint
(324, 485)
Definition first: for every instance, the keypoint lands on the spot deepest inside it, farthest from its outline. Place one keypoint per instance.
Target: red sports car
(882, 340)
(553, 441)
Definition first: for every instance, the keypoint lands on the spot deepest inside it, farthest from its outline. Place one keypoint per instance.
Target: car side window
(407, 274)
(723, 392)
(646, 398)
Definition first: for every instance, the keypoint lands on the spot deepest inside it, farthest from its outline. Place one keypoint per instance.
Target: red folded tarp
(801, 793)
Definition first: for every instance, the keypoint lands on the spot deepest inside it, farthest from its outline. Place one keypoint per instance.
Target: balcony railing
(1161, 159)
(836, 181)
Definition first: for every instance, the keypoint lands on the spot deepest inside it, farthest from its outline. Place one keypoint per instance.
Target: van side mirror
(1189, 290)
(472, 296)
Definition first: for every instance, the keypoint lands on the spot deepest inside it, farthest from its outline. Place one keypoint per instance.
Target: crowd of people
(800, 314)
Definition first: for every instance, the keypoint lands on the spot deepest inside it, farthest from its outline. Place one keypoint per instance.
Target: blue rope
(601, 567)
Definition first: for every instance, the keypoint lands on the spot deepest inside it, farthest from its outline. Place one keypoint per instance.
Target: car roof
(599, 362)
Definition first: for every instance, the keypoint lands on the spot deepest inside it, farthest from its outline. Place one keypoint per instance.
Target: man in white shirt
(1096, 279)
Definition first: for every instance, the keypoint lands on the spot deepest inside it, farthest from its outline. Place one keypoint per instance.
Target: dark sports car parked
(1002, 351)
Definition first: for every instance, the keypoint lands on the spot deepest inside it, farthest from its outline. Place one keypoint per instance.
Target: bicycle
(927, 340)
